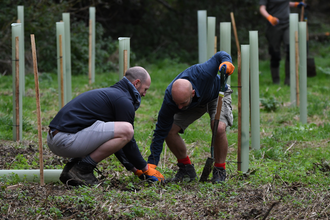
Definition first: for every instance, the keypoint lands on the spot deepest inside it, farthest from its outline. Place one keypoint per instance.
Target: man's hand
(154, 175)
(140, 174)
(300, 4)
(229, 67)
(152, 165)
(273, 20)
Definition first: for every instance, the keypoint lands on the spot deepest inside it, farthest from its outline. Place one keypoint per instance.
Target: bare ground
(277, 200)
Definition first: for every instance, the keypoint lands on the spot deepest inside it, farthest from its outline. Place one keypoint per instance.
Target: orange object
(273, 20)
(152, 165)
(138, 172)
(230, 67)
(155, 173)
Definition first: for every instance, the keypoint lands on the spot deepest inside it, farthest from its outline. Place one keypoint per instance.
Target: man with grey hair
(97, 124)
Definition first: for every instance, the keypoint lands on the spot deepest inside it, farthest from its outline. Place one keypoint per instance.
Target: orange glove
(299, 4)
(154, 175)
(140, 174)
(273, 20)
(229, 67)
(152, 165)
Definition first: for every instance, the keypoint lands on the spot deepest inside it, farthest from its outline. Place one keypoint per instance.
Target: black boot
(185, 172)
(65, 177)
(83, 173)
(275, 71)
(219, 175)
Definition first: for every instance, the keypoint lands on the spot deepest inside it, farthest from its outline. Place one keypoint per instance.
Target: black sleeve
(133, 155)
(130, 155)
(122, 158)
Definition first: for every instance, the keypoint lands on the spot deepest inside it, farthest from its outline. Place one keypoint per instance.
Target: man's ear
(193, 93)
(136, 82)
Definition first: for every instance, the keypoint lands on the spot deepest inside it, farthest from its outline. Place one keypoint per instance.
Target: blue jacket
(206, 83)
(115, 103)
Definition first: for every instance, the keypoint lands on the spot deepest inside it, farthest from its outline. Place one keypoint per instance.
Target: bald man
(189, 96)
(97, 124)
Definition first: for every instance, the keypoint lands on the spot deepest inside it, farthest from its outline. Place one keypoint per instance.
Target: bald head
(137, 72)
(182, 93)
(140, 78)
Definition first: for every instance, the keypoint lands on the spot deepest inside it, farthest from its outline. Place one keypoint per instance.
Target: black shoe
(219, 175)
(65, 177)
(185, 173)
(83, 173)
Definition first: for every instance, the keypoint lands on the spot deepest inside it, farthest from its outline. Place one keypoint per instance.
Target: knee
(129, 131)
(221, 129)
(175, 130)
(275, 57)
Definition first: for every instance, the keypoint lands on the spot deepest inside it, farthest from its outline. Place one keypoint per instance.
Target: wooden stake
(297, 68)
(90, 53)
(36, 82)
(61, 69)
(239, 142)
(302, 19)
(215, 45)
(125, 61)
(302, 12)
(17, 87)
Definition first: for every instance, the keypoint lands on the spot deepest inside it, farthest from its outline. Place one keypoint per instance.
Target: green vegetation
(292, 166)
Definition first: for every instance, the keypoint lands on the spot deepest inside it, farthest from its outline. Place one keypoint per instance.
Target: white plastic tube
(50, 175)
(17, 32)
(303, 71)
(210, 36)
(124, 44)
(293, 29)
(254, 74)
(245, 136)
(202, 36)
(92, 18)
(67, 37)
(225, 40)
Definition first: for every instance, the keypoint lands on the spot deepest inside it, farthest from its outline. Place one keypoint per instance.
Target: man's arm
(211, 67)
(273, 20)
(130, 155)
(263, 11)
(122, 158)
(163, 126)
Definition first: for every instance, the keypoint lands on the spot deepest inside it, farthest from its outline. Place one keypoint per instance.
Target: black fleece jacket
(115, 103)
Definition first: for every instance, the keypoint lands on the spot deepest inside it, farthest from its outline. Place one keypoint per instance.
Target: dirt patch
(278, 200)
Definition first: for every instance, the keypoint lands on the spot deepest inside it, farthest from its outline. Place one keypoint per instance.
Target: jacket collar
(134, 93)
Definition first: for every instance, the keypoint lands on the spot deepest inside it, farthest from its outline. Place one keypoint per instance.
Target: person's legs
(93, 144)
(175, 142)
(286, 42)
(221, 142)
(177, 146)
(274, 37)
(100, 140)
(123, 133)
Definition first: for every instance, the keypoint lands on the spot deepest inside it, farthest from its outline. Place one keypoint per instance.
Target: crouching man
(97, 124)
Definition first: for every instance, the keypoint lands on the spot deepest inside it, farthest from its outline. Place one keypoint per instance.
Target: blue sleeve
(163, 126)
(212, 65)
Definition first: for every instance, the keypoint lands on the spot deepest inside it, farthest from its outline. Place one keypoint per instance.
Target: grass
(291, 168)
